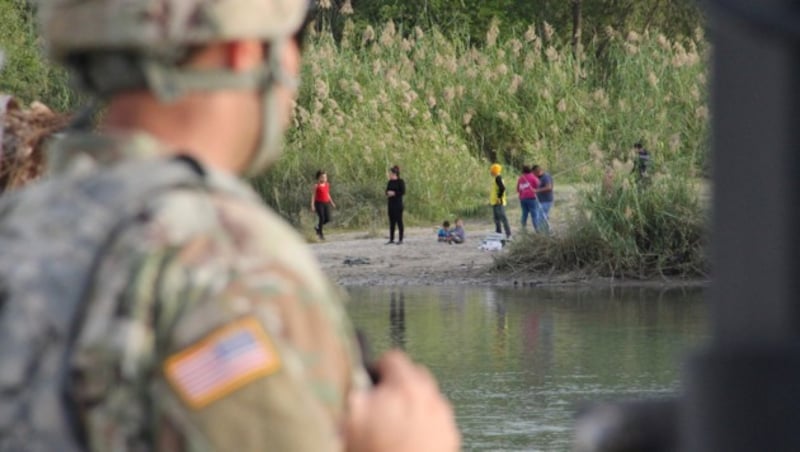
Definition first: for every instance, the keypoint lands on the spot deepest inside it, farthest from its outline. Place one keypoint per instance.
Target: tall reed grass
(624, 230)
(443, 110)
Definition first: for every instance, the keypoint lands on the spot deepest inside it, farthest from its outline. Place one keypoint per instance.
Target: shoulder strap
(54, 236)
(182, 171)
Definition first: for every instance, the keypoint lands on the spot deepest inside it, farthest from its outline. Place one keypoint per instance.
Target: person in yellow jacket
(497, 198)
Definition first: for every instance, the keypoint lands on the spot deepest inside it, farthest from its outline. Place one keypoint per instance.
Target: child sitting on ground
(457, 234)
(444, 232)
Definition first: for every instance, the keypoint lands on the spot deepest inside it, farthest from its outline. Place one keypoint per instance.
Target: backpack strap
(55, 235)
(181, 171)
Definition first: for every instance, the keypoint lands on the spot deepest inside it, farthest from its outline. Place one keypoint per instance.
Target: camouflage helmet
(160, 26)
(116, 45)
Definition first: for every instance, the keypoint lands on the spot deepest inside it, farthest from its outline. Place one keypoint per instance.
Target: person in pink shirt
(527, 184)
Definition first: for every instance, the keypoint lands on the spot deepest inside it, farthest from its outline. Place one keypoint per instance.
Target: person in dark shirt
(544, 194)
(642, 163)
(395, 189)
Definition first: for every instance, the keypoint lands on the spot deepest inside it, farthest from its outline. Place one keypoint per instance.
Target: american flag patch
(224, 361)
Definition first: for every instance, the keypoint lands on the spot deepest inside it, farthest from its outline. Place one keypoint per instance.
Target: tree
(575, 20)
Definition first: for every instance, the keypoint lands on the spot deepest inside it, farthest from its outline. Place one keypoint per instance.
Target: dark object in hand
(366, 357)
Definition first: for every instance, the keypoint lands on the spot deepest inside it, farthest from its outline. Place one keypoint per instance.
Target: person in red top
(321, 202)
(527, 184)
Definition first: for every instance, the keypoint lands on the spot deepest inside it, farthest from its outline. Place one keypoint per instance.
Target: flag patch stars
(222, 362)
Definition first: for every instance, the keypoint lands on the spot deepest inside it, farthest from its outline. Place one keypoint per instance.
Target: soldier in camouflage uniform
(207, 324)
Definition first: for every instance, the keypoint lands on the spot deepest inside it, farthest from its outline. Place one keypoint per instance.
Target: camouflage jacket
(225, 336)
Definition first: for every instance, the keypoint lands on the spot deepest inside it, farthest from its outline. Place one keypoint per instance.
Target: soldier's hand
(405, 412)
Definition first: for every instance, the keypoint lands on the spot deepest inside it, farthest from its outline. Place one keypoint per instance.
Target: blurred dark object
(366, 357)
(629, 426)
(642, 162)
(741, 391)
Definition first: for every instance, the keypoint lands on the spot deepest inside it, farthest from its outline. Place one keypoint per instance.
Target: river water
(516, 363)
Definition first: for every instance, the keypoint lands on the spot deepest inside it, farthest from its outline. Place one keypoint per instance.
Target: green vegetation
(443, 105)
(26, 73)
(624, 230)
(443, 110)
(469, 19)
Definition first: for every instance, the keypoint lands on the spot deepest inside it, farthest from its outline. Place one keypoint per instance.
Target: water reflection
(397, 320)
(500, 343)
(516, 363)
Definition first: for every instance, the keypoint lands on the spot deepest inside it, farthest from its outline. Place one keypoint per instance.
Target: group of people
(321, 203)
(534, 188)
(535, 191)
(456, 234)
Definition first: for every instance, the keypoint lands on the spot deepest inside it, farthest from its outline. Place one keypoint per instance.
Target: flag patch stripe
(221, 363)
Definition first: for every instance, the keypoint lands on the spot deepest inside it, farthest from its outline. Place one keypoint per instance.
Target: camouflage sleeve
(253, 361)
(214, 336)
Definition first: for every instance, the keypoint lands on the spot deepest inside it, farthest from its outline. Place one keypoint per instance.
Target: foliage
(443, 110)
(26, 74)
(470, 18)
(624, 230)
(443, 106)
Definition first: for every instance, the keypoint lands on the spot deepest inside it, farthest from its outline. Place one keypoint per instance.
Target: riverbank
(361, 258)
(358, 259)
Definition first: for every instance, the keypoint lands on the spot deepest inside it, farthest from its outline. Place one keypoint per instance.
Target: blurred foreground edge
(741, 392)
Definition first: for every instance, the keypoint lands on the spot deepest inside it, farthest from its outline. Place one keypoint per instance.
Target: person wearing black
(395, 190)
(641, 164)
